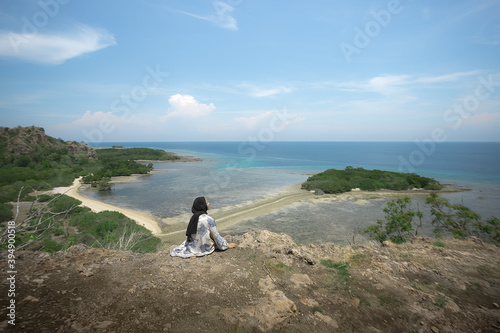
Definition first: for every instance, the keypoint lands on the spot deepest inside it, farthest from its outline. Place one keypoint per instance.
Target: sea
(233, 173)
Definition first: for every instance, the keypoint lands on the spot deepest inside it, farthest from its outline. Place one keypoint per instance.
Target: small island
(333, 181)
(124, 162)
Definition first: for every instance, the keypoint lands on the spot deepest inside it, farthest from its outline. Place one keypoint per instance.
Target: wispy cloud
(223, 18)
(187, 106)
(486, 119)
(445, 78)
(393, 84)
(256, 91)
(252, 122)
(53, 48)
(388, 84)
(264, 119)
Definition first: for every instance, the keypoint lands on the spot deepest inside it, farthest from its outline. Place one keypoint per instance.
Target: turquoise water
(236, 172)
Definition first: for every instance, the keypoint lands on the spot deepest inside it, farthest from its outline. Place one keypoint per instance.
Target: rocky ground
(267, 284)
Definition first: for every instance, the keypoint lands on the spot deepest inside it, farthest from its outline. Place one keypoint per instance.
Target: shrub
(113, 230)
(399, 224)
(49, 245)
(459, 221)
(63, 203)
(6, 212)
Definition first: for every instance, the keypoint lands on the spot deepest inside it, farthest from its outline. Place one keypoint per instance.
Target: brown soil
(267, 284)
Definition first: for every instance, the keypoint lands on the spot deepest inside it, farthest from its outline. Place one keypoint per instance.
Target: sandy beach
(141, 218)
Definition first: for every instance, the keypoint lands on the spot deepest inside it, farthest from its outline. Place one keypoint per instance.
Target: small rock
(301, 280)
(308, 301)
(434, 329)
(388, 243)
(355, 302)
(496, 305)
(327, 320)
(103, 324)
(31, 299)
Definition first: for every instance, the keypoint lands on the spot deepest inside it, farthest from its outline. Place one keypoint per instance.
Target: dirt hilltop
(267, 284)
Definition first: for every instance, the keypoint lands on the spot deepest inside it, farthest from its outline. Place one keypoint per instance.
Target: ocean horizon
(232, 173)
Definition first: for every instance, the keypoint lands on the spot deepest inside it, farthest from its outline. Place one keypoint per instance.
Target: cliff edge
(267, 284)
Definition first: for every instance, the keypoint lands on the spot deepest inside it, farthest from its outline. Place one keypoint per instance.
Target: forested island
(339, 181)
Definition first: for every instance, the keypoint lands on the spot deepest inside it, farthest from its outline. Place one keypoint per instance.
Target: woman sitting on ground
(202, 235)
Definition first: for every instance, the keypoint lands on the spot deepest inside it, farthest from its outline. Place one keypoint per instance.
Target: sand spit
(140, 218)
(230, 216)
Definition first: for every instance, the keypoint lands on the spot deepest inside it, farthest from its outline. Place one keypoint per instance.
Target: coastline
(228, 217)
(173, 228)
(132, 177)
(141, 218)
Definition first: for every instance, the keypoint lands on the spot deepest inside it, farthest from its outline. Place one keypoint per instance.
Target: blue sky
(236, 70)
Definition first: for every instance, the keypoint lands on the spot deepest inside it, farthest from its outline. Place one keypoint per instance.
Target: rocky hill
(28, 141)
(267, 284)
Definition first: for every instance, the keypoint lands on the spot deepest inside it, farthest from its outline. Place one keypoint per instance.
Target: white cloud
(90, 119)
(445, 78)
(255, 91)
(187, 106)
(270, 92)
(486, 119)
(223, 19)
(388, 84)
(53, 48)
(394, 84)
(252, 122)
(92, 127)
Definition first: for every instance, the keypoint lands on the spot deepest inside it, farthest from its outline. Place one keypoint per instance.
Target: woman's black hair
(199, 208)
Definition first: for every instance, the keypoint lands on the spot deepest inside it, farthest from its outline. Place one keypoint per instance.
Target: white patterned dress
(203, 242)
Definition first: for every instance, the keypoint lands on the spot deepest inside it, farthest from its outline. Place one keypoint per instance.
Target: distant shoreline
(181, 158)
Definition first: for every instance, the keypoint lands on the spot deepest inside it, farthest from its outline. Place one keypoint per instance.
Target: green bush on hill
(113, 230)
(59, 223)
(339, 181)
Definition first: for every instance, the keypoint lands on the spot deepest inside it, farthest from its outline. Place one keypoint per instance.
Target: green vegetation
(439, 244)
(135, 154)
(342, 275)
(440, 301)
(31, 160)
(122, 162)
(60, 223)
(112, 230)
(460, 221)
(339, 181)
(401, 223)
